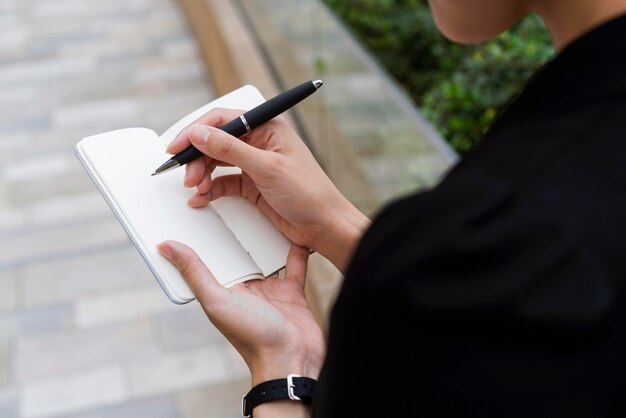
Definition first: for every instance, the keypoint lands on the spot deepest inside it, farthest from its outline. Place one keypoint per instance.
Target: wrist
(343, 233)
(278, 370)
(282, 408)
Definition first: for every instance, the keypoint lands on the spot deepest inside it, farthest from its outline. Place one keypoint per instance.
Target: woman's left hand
(268, 321)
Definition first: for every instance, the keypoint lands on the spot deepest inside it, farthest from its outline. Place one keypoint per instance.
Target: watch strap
(293, 387)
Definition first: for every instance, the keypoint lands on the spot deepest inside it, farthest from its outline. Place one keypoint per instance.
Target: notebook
(231, 236)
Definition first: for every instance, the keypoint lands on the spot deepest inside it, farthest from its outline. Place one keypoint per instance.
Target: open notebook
(233, 238)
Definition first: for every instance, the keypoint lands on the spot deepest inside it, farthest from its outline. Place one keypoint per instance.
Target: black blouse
(500, 292)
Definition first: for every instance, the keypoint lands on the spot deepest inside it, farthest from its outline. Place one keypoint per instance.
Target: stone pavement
(85, 331)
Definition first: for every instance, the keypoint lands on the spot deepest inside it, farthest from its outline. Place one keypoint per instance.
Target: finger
(212, 165)
(221, 146)
(207, 181)
(296, 266)
(205, 184)
(202, 283)
(215, 117)
(194, 172)
(199, 200)
(229, 185)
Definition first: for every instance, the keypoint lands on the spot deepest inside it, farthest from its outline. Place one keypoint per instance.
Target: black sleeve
(469, 301)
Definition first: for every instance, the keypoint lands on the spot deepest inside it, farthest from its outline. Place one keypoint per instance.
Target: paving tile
(178, 371)
(37, 167)
(23, 96)
(54, 318)
(163, 407)
(44, 70)
(179, 49)
(4, 364)
(40, 355)
(58, 210)
(8, 402)
(75, 391)
(72, 278)
(103, 47)
(8, 327)
(186, 327)
(72, 8)
(79, 309)
(48, 319)
(38, 245)
(220, 400)
(8, 6)
(8, 282)
(58, 183)
(10, 218)
(25, 123)
(16, 144)
(169, 72)
(56, 140)
(119, 111)
(122, 304)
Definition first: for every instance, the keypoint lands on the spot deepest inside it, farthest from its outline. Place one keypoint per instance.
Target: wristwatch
(294, 387)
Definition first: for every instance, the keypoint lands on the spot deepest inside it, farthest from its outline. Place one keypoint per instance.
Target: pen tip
(153, 174)
(167, 166)
(318, 83)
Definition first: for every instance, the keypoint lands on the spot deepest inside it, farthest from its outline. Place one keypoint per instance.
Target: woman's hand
(280, 176)
(268, 321)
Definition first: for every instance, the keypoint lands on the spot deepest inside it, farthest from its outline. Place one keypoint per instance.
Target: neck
(568, 19)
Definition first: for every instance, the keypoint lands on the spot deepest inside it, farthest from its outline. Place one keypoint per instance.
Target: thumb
(200, 280)
(296, 266)
(224, 147)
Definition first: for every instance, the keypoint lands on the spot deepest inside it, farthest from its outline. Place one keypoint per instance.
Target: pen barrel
(279, 104)
(256, 117)
(235, 127)
(189, 154)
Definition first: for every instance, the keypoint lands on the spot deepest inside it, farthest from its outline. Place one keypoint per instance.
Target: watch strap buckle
(243, 407)
(291, 387)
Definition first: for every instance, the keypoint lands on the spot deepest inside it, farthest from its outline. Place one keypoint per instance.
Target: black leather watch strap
(293, 387)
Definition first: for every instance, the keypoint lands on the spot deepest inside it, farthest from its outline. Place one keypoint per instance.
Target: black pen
(248, 121)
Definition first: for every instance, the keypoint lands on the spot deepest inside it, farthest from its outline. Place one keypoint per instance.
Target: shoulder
(480, 241)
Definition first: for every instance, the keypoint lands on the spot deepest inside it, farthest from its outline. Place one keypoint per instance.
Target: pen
(248, 121)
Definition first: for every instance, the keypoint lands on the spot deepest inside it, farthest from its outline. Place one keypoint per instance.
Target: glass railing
(365, 131)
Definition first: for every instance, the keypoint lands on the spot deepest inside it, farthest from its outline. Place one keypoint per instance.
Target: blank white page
(267, 246)
(154, 209)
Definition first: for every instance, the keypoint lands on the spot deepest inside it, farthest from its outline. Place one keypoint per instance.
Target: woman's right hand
(280, 176)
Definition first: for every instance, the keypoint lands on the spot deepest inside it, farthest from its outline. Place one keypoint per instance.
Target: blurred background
(85, 331)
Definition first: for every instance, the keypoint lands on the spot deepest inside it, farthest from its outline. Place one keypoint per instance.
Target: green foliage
(460, 89)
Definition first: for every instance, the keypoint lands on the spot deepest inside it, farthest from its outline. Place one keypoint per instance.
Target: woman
(508, 274)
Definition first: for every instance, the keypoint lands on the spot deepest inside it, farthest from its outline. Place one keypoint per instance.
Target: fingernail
(199, 134)
(165, 250)
(171, 143)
